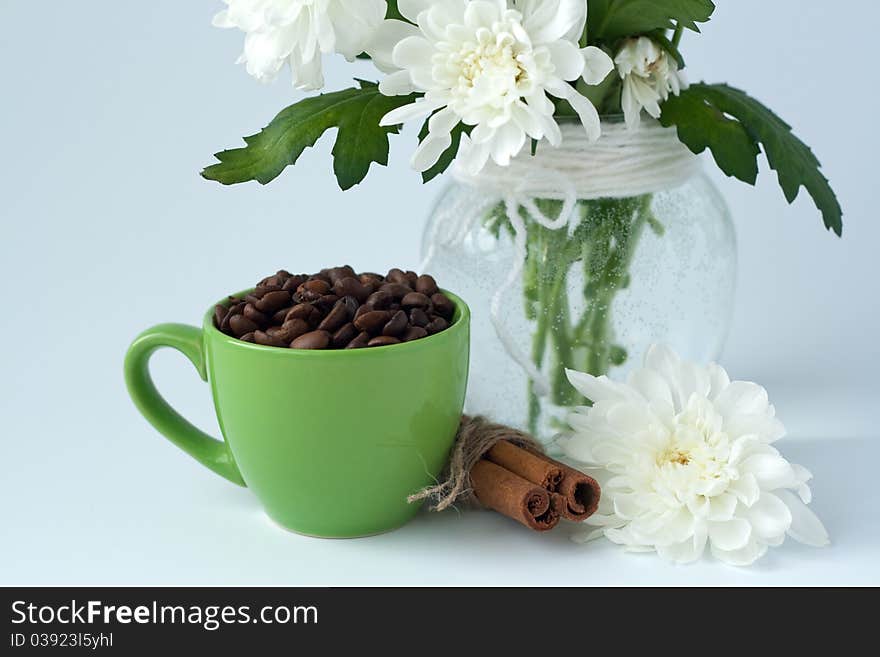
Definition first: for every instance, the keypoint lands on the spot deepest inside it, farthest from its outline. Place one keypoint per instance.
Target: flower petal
(805, 527)
(731, 535)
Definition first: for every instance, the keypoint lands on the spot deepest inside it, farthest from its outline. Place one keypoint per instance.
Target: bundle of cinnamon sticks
(532, 488)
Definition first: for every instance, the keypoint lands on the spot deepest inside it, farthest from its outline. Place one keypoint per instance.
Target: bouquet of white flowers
(495, 80)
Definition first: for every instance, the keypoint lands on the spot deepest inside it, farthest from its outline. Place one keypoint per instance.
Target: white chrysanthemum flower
(649, 75)
(489, 64)
(684, 458)
(299, 32)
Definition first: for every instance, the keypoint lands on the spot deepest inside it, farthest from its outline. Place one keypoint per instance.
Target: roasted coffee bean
(344, 335)
(290, 330)
(337, 308)
(396, 290)
(335, 318)
(397, 276)
(304, 311)
(426, 285)
(379, 300)
(258, 318)
(336, 274)
(396, 325)
(273, 301)
(383, 341)
(239, 325)
(442, 305)
(436, 325)
(373, 321)
(313, 340)
(352, 287)
(359, 342)
(415, 300)
(268, 340)
(363, 310)
(247, 337)
(418, 317)
(220, 313)
(322, 276)
(351, 306)
(414, 333)
(279, 317)
(292, 283)
(371, 279)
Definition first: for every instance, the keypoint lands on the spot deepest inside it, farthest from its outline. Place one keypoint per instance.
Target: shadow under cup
(331, 442)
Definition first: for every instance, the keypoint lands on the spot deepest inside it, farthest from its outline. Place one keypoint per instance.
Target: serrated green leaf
(448, 155)
(360, 140)
(701, 125)
(611, 19)
(705, 116)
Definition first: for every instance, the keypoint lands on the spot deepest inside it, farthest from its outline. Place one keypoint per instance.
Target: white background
(108, 111)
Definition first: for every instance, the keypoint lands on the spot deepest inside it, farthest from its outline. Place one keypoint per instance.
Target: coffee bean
(304, 311)
(344, 336)
(383, 341)
(359, 342)
(426, 285)
(372, 280)
(396, 325)
(396, 276)
(273, 301)
(255, 316)
(319, 284)
(239, 325)
(292, 283)
(419, 317)
(336, 274)
(414, 333)
(313, 340)
(290, 330)
(337, 308)
(268, 340)
(442, 305)
(436, 325)
(279, 317)
(335, 318)
(247, 337)
(363, 310)
(352, 287)
(373, 321)
(379, 300)
(351, 306)
(396, 290)
(415, 300)
(220, 313)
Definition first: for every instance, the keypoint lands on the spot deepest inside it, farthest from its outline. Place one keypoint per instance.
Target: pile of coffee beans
(337, 309)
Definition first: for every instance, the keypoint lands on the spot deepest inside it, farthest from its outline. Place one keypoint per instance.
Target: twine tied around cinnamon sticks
(503, 469)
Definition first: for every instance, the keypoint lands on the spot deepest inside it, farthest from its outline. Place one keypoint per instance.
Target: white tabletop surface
(133, 510)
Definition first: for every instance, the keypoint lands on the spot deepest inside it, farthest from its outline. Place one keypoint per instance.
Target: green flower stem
(604, 242)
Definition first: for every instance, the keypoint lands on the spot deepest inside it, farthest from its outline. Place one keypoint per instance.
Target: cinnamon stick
(580, 491)
(505, 492)
(526, 464)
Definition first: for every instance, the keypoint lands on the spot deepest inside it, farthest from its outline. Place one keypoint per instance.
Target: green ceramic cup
(330, 442)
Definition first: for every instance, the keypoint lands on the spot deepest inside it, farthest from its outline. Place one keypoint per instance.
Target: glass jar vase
(581, 257)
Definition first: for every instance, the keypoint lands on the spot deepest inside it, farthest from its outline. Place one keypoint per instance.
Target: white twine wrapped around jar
(623, 163)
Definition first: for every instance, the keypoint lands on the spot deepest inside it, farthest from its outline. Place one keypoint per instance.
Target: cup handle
(211, 453)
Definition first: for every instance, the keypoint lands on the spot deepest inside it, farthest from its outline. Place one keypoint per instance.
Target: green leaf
(360, 140)
(448, 155)
(733, 125)
(701, 125)
(611, 19)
